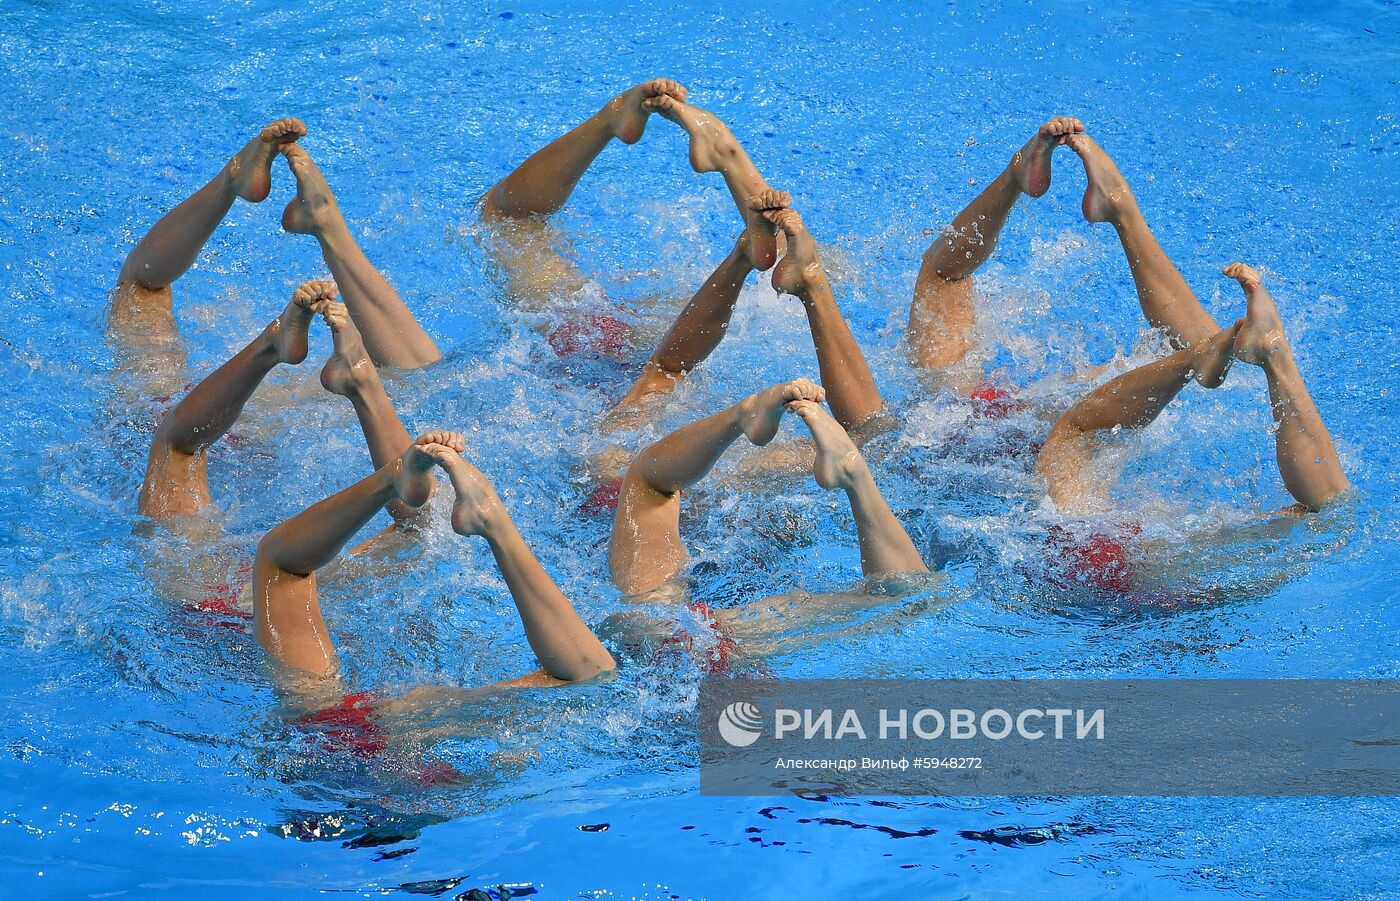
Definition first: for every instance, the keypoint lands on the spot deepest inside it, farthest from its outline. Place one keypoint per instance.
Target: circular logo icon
(740, 724)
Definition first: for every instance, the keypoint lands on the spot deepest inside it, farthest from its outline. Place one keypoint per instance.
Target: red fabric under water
(992, 402)
(347, 727)
(602, 498)
(719, 656)
(1099, 558)
(222, 601)
(596, 333)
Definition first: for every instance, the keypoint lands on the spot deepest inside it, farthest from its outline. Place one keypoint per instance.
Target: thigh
(176, 483)
(527, 251)
(141, 327)
(1065, 463)
(941, 321)
(140, 317)
(646, 549)
(287, 612)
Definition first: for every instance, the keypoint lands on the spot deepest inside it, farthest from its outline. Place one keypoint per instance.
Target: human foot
(1031, 164)
(289, 331)
(1108, 196)
(349, 369)
(314, 206)
(413, 482)
(477, 509)
(838, 461)
(1214, 356)
(761, 413)
(1262, 335)
(250, 170)
(713, 148)
(800, 267)
(627, 112)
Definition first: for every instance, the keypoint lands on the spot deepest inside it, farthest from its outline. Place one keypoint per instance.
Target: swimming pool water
(143, 752)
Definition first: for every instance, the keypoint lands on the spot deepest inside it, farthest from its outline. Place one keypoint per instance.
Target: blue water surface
(143, 750)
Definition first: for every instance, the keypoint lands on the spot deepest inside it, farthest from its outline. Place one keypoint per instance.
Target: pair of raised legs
(286, 607)
(544, 182)
(142, 321)
(943, 311)
(177, 479)
(1303, 448)
(850, 387)
(142, 304)
(942, 314)
(518, 204)
(647, 551)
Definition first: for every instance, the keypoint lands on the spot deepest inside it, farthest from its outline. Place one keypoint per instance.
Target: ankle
(334, 236)
(855, 478)
(265, 345)
(386, 480)
(814, 290)
(356, 391)
(741, 414)
(1280, 362)
(738, 266)
(224, 181)
(1127, 218)
(1007, 185)
(496, 525)
(603, 125)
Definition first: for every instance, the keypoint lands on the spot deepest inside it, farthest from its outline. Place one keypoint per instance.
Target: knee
(494, 207)
(636, 486)
(173, 437)
(938, 263)
(272, 554)
(267, 551)
(662, 373)
(487, 207)
(135, 272)
(1061, 447)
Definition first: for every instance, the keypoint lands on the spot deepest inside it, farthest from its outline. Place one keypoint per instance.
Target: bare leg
(525, 245)
(1307, 459)
(171, 246)
(845, 375)
(1131, 401)
(884, 545)
(286, 609)
(563, 644)
(941, 316)
(350, 373)
(713, 148)
(141, 319)
(176, 474)
(1166, 299)
(695, 334)
(646, 548)
(391, 334)
(543, 183)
